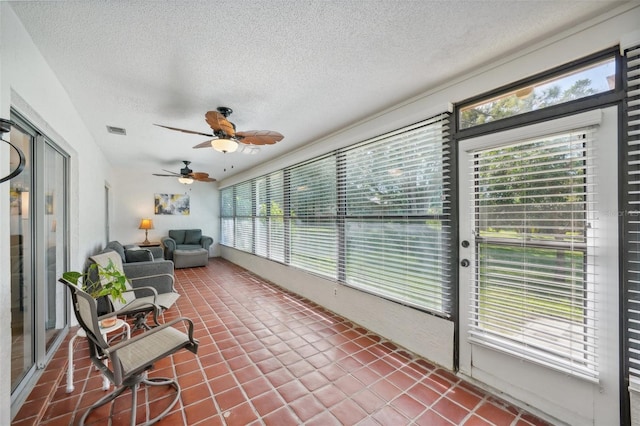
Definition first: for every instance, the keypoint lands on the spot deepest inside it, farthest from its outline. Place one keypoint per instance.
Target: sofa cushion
(177, 235)
(192, 236)
(118, 248)
(138, 255)
(188, 247)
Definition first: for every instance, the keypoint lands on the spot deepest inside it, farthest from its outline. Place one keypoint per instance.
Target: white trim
(585, 119)
(629, 40)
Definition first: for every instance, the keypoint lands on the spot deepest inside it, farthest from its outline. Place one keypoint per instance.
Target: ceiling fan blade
(205, 144)
(173, 176)
(201, 177)
(259, 137)
(219, 123)
(184, 130)
(172, 173)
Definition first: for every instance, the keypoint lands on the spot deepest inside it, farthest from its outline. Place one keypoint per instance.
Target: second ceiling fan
(226, 139)
(187, 176)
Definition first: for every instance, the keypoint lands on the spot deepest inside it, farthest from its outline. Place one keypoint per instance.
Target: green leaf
(72, 276)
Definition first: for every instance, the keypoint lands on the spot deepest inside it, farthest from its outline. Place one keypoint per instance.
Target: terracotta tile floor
(270, 357)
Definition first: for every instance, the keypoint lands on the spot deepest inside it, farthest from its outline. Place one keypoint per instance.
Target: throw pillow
(193, 236)
(177, 235)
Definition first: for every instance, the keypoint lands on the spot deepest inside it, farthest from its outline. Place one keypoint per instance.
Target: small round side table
(80, 333)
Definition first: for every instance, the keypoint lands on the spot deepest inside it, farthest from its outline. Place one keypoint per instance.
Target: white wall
(28, 84)
(135, 201)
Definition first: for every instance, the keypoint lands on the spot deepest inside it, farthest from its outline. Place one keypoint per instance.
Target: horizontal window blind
(227, 227)
(244, 201)
(534, 292)
(632, 210)
(270, 232)
(262, 227)
(375, 216)
(311, 218)
(397, 230)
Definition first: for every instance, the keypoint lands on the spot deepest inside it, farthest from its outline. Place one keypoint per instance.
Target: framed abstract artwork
(177, 204)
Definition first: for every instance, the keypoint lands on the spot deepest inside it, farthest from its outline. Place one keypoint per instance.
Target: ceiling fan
(226, 139)
(187, 176)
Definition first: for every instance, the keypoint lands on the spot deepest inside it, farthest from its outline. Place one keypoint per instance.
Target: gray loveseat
(185, 239)
(138, 263)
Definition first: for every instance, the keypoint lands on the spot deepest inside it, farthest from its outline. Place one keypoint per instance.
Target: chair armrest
(143, 291)
(206, 241)
(136, 306)
(169, 245)
(157, 274)
(157, 252)
(168, 242)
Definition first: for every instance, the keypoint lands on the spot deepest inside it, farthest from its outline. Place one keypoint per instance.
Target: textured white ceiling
(303, 68)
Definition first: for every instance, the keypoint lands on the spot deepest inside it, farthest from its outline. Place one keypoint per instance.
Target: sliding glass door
(22, 289)
(38, 251)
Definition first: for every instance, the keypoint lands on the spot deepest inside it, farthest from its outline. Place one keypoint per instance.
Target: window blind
(227, 227)
(632, 209)
(397, 230)
(375, 216)
(270, 232)
(534, 291)
(262, 227)
(312, 216)
(244, 202)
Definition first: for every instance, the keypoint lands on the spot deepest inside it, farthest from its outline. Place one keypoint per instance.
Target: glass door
(22, 290)
(538, 265)
(38, 235)
(54, 186)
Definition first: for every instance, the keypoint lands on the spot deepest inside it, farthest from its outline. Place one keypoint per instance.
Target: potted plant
(111, 282)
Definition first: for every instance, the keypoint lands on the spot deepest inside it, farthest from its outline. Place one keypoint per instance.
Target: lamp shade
(146, 224)
(224, 145)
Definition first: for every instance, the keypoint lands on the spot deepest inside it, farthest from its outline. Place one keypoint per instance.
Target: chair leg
(134, 403)
(102, 401)
(163, 381)
(133, 385)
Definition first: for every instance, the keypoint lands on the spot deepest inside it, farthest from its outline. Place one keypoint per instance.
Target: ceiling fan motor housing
(186, 171)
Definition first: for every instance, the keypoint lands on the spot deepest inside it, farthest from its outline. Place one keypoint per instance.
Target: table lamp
(146, 224)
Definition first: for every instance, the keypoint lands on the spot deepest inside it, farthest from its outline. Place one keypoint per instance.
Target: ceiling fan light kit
(224, 145)
(185, 180)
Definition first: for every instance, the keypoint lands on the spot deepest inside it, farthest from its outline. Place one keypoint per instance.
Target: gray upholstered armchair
(185, 239)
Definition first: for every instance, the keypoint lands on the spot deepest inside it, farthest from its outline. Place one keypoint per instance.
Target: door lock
(464, 263)
(465, 243)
